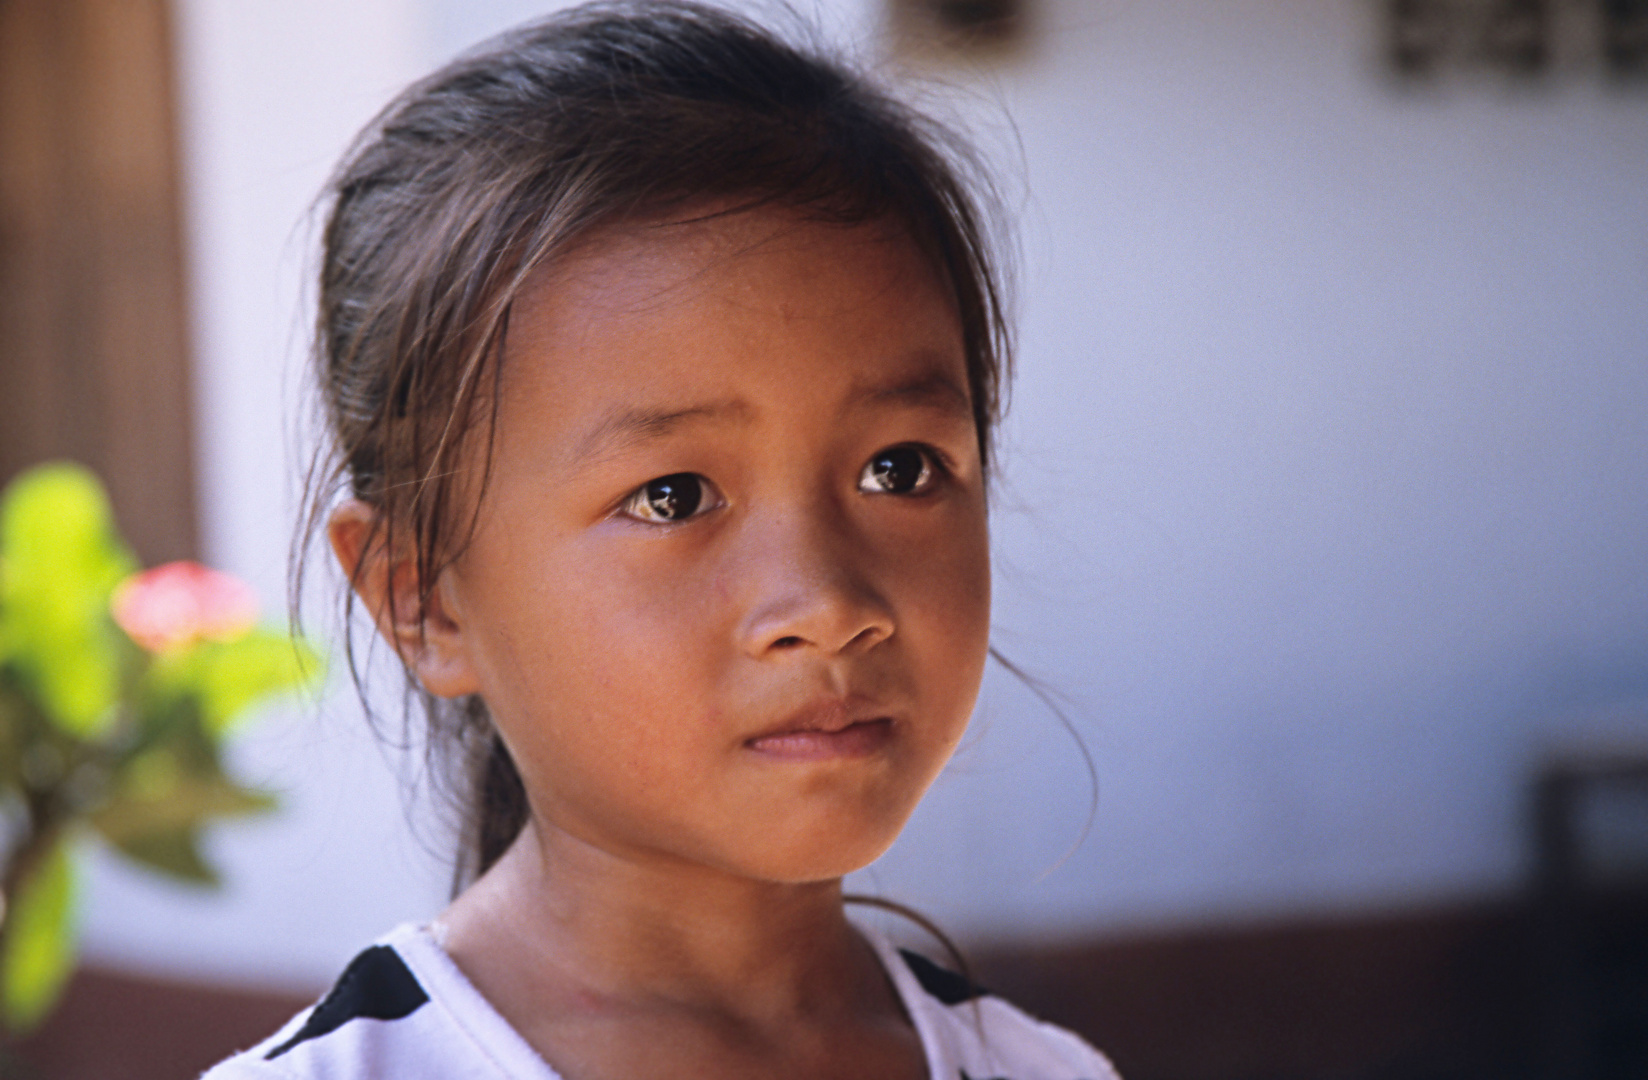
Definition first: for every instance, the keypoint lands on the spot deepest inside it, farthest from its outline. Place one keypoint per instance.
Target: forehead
(732, 306)
(717, 256)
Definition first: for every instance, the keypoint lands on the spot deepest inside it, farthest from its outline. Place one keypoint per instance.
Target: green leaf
(158, 793)
(228, 677)
(5, 628)
(39, 943)
(175, 852)
(62, 559)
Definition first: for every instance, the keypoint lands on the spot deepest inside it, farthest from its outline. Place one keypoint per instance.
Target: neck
(572, 917)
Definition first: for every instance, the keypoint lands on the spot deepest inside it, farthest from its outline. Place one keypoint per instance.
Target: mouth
(824, 732)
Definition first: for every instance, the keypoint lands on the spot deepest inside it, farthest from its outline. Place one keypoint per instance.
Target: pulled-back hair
(488, 169)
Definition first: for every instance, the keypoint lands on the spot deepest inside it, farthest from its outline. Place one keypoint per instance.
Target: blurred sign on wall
(973, 29)
(1518, 38)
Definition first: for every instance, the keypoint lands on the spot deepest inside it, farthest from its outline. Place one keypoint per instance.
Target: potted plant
(117, 690)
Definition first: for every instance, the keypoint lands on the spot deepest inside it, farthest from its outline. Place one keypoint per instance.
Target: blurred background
(1324, 515)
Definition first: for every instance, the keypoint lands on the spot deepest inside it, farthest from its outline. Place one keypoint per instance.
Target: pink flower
(179, 603)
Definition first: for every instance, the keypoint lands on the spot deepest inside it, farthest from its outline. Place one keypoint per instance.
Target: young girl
(661, 360)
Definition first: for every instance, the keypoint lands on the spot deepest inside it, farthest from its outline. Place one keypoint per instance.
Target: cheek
(954, 573)
(601, 661)
(945, 585)
(648, 621)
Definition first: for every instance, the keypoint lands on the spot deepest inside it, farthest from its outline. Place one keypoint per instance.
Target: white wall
(1325, 478)
(1329, 465)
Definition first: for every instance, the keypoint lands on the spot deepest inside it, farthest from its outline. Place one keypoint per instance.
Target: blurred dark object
(1520, 39)
(1430, 995)
(1516, 35)
(1550, 985)
(964, 27)
(1625, 37)
(1418, 34)
(1592, 825)
(93, 343)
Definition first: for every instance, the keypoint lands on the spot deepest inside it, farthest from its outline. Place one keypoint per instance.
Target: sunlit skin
(715, 713)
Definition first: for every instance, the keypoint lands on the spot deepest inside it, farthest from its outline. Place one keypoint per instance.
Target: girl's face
(728, 597)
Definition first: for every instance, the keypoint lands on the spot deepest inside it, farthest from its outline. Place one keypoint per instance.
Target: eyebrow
(622, 428)
(933, 390)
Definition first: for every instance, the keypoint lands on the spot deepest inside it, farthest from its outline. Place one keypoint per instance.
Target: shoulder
(970, 1033)
(401, 1009)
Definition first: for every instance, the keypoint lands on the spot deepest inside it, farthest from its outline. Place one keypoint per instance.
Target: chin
(811, 855)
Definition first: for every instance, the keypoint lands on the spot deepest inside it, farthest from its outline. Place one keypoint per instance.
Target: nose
(806, 581)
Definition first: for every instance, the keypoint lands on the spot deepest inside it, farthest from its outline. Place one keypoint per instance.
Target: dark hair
(490, 167)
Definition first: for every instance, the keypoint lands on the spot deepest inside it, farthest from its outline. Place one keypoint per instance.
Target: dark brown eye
(668, 498)
(897, 470)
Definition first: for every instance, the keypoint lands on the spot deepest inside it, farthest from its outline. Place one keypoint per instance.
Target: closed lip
(833, 727)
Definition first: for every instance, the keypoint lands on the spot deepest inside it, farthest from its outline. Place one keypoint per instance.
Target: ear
(428, 636)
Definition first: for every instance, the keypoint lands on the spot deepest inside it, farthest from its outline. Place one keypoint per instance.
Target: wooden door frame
(94, 362)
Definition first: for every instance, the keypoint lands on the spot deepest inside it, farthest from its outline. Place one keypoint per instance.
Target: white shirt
(403, 1010)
